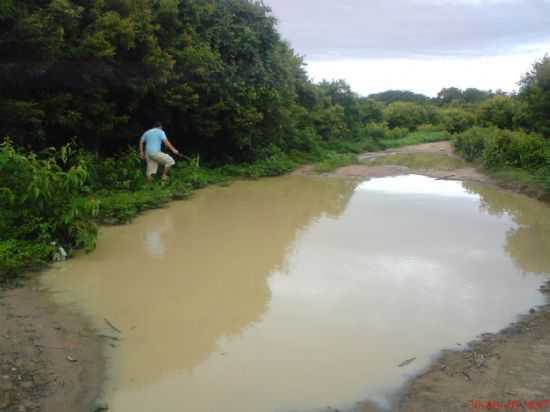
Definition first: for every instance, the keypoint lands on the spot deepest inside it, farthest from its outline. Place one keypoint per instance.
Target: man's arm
(171, 147)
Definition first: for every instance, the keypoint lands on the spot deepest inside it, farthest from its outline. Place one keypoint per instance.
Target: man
(153, 140)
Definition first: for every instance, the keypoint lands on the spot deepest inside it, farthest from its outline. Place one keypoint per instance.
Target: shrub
(406, 115)
(42, 200)
(123, 172)
(396, 133)
(456, 120)
(430, 128)
(376, 131)
(500, 111)
(16, 254)
(505, 148)
(498, 148)
(471, 143)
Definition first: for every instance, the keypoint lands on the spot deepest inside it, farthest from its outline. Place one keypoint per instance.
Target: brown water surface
(299, 293)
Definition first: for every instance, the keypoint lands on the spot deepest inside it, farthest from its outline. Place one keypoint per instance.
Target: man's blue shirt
(153, 139)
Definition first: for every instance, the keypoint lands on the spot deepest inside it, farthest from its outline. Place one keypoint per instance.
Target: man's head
(158, 125)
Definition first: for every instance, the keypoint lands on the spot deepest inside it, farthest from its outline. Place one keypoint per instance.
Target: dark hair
(158, 124)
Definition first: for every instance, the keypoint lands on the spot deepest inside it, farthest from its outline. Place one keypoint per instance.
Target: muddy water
(297, 293)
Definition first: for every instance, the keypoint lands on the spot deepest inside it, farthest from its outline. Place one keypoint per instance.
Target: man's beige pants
(154, 160)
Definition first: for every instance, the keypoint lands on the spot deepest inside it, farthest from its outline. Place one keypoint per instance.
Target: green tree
(474, 96)
(500, 111)
(450, 95)
(391, 96)
(535, 93)
(405, 114)
(456, 120)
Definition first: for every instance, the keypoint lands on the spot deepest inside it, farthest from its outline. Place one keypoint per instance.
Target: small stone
(531, 311)
(27, 385)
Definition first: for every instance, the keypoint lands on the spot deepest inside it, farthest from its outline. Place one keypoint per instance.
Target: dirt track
(50, 361)
(510, 369)
(443, 149)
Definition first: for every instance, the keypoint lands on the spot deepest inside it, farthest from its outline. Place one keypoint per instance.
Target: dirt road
(505, 371)
(50, 361)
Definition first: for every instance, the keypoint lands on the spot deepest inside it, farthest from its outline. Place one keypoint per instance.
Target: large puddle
(297, 293)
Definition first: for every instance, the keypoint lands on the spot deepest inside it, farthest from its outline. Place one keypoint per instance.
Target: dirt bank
(50, 360)
(509, 370)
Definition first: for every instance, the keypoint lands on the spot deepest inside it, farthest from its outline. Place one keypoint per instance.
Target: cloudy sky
(419, 45)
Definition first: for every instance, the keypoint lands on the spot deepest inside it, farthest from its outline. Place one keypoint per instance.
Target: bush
(123, 172)
(504, 112)
(505, 148)
(406, 115)
(376, 131)
(16, 254)
(396, 133)
(456, 120)
(430, 128)
(471, 143)
(497, 148)
(42, 200)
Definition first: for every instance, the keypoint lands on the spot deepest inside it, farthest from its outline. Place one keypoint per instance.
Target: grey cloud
(405, 28)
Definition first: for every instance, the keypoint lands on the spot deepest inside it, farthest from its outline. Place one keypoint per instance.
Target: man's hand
(171, 147)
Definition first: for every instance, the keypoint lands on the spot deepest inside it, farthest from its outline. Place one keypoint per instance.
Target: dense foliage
(391, 96)
(535, 94)
(509, 151)
(215, 72)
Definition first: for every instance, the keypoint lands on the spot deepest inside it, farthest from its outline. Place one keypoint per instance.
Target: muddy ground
(370, 166)
(505, 371)
(51, 361)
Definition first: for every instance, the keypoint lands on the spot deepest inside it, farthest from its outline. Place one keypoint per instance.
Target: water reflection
(177, 280)
(416, 185)
(528, 242)
(299, 293)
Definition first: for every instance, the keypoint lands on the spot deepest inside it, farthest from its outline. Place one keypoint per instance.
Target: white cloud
(429, 75)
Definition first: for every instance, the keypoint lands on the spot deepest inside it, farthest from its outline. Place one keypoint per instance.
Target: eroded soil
(505, 371)
(50, 361)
